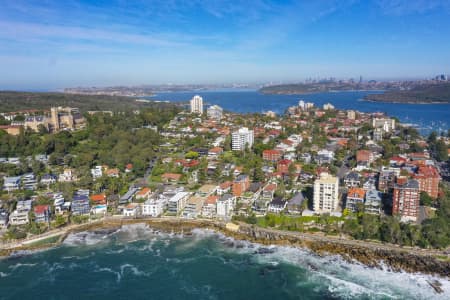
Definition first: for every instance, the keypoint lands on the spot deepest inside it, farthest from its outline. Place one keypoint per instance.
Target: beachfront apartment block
(406, 199)
(153, 207)
(326, 193)
(177, 203)
(225, 206)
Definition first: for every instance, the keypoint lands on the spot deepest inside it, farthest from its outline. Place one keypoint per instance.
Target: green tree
(441, 151)
(425, 199)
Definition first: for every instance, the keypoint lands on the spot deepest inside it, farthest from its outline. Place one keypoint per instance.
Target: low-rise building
(355, 199)
(21, 215)
(272, 155)
(29, 182)
(206, 190)
(48, 179)
(11, 183)
(42, 213)
(240, 185)
(132, 210)
(296, 203)
(144, 193)
(67, 176)
(352, 179)
(277, 205)
(373, 202)
(80, 205)
(4, 218)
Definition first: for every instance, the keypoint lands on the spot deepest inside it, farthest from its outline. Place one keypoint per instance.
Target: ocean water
(427, 117)
(136, 262)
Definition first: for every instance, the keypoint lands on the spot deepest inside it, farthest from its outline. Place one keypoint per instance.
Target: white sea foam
(84, 238)
(336, 276)
(3, 274)
(124, 269)
(20, 265)
(109, 270)
(347, 280)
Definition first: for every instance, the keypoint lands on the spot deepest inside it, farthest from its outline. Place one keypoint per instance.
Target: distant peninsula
(413, 92)
(324, 87)
(422, 94)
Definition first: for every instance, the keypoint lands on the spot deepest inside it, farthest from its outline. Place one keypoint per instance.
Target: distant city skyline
(106, 43)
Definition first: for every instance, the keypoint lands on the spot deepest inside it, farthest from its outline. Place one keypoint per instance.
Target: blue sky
(49, 44)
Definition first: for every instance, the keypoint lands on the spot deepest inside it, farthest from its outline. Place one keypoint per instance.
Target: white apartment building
(225, 206)
(153, 207)
(197, 105)
(387, 124)
(326, 193)
(214, 112)
(178, 202)
(328, 106)
(241, 138)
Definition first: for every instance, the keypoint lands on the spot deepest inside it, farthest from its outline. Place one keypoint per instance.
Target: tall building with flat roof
(406, 199)
(197, 105)
(326, 193)
(242, 138)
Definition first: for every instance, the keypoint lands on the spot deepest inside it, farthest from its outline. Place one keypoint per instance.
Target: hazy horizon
(63, 44)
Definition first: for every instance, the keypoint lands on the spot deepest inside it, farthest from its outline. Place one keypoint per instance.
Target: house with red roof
(283, 165)
(99, 199)
(171, 177)
(143, 193)
(355, 196)
(41, 213)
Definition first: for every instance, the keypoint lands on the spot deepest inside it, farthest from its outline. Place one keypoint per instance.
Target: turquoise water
(427, 117)
(138, 263)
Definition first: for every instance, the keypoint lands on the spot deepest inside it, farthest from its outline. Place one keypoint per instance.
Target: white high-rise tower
(197, 105)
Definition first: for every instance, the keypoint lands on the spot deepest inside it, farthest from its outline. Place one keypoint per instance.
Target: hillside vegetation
(14, 101)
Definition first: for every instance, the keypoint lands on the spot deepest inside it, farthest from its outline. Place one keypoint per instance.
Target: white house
(97, 172)
(132, 210)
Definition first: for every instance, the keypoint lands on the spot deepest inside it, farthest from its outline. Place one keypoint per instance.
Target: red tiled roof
(40, 209)
(356, 192)
(226, 185)
(171, 176)
(212, 199)
(271, 187)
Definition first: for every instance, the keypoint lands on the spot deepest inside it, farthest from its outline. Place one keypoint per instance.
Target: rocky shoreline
(353, 251)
